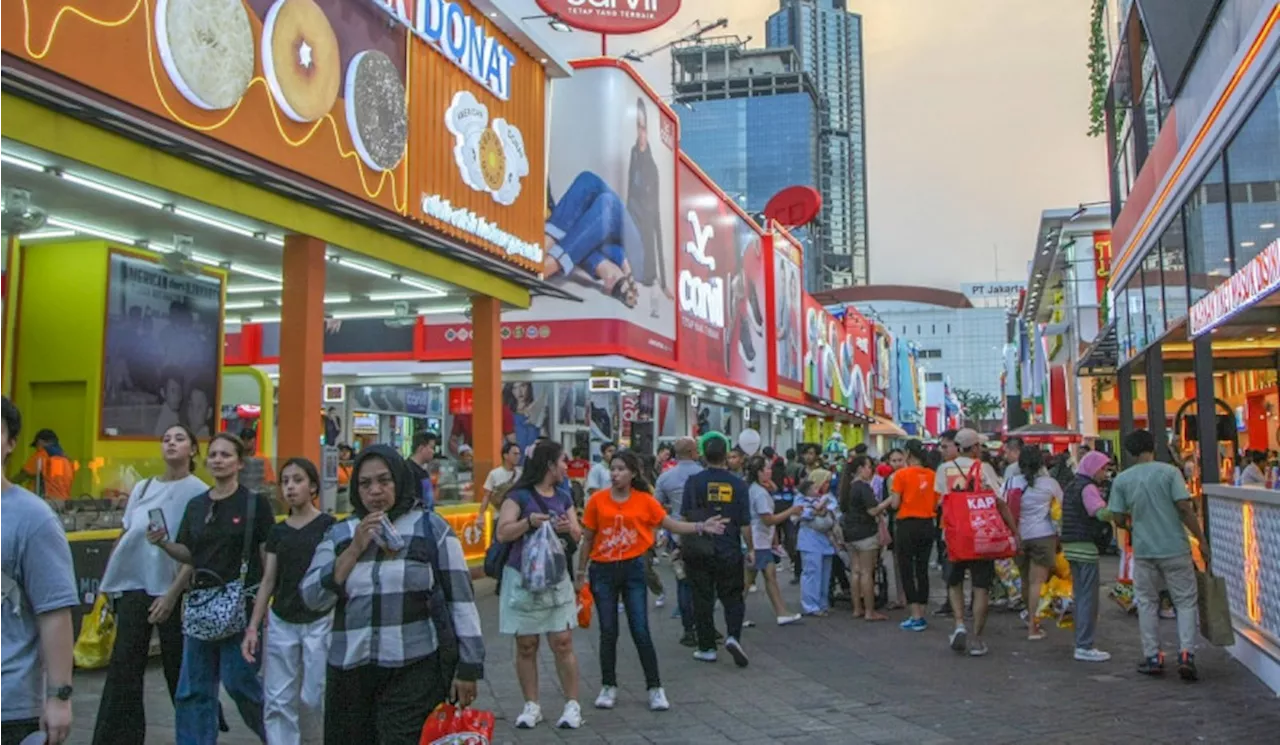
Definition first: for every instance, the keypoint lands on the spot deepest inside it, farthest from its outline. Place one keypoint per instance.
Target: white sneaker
(959, 639)
(733, 647)
(753, 589)
(658, 700)
(530, 717)
(660, 601)
(707, 656)
(607, 698)
(1092, 655)
(788, 620)
(572, 716)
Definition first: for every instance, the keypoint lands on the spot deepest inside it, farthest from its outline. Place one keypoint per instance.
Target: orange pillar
(301, 349)
(486, 374)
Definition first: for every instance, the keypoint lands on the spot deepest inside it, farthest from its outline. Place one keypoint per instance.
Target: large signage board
(721, 289)
(330, 91)
(612, 16)
(788, 315)
(1256, 280)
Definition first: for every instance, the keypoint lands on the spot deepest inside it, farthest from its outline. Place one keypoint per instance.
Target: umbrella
(1040, 433)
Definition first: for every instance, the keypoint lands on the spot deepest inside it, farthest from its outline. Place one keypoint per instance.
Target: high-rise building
(827, 38)
(750, 118)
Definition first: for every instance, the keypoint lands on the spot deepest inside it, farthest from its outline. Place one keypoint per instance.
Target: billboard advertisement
(320, 89)
(788, 314)
(609, 231)
(722, 291)
(882, 381)
(856, 360)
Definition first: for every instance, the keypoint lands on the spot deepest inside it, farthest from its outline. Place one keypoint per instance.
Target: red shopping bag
(972, 524)
(449, 725)
(585, 601)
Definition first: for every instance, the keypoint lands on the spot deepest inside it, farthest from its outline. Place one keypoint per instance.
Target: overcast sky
(976, 113)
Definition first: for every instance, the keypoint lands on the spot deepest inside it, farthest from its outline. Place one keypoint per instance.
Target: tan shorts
(866, 544)
(1041, 551)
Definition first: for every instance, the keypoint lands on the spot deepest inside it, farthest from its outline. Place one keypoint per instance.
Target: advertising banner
(884, 364)
(856, 360)
(821, 340)
(609, 232)
(161, 350)
(721, 287)
(320, 89)
(788, 313)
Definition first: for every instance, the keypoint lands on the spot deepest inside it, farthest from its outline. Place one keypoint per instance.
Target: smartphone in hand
(155, 521)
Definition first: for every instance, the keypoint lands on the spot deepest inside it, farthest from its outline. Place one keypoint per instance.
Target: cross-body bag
(219, 611)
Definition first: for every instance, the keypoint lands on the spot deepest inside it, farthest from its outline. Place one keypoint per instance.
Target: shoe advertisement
(788, 293)
(609, 231)
(721, 287)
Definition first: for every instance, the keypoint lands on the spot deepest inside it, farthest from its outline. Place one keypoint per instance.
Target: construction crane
(696, 35)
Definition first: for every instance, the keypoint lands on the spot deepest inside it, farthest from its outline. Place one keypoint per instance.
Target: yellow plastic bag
(97, 637)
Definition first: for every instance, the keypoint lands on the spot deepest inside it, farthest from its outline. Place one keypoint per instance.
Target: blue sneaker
(914, 624)
(907, 624)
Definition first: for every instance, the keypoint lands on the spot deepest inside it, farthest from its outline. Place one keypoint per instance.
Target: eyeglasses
(382, 479)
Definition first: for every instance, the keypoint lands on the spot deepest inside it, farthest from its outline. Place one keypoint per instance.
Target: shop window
(1208, 257)
(933, 377)
(1134, 311)
(1173, 269)
(1153, 294)
(1253, 162)
(1120, 312)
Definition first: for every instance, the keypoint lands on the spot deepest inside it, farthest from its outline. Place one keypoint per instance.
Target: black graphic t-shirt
(723, 494)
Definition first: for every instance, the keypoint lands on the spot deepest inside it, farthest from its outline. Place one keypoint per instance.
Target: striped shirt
(382, 612)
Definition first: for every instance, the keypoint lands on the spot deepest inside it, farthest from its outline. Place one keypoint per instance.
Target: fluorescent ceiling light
(246, 289)
(21, 162)
(375, 271)
(114, 191)
(337, 299)
(424, 286)
(698, 386)
(1267, 226)
(274, 240)
(214, 222)
(457, 310)
(46, 234)
(244, 305)
(58, 222)
(354, 314)
(631, 371)
(668, 380)
(722, 392)
(263, 319)
(251, 272)
(1247, 244)
(380, 297)
(561, 368)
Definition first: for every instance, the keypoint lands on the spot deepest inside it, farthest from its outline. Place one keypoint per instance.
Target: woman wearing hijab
(1082, 510)
(394, 575)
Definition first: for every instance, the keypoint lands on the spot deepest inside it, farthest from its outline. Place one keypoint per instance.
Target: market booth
(167, 209)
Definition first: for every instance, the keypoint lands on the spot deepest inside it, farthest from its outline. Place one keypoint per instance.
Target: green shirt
(1149, 493)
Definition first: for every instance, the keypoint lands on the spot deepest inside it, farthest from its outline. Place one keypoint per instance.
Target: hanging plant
(1098, 69)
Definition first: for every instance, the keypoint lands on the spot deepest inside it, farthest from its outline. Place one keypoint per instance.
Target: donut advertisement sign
(490, 156)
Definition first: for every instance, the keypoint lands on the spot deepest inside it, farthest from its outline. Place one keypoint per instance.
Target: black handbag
(220, 609)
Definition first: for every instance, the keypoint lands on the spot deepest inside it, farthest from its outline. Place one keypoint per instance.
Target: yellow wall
(13, 269)
(57, 376)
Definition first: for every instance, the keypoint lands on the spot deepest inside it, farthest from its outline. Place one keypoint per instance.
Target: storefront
(1194, 308)
(217, 208)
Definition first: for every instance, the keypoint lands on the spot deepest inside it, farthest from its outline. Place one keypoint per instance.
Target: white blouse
(135, 564)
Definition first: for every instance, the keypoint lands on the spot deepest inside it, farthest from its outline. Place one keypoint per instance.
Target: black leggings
(913, 545)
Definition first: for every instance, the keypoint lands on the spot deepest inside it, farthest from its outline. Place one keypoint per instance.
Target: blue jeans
(609, 582)
(590, 224)
(815, 581)
(196, 705)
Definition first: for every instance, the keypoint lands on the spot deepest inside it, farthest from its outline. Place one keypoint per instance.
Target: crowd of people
(356, 630)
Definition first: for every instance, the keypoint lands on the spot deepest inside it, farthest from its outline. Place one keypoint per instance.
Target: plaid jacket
(382, 614)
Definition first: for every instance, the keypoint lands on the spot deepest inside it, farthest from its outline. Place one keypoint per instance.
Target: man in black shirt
(715, 571)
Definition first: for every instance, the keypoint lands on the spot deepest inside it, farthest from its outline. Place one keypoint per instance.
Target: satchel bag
(1215, 610)
(219, 611)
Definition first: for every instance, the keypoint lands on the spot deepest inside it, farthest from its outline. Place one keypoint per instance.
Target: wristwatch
(62, 693)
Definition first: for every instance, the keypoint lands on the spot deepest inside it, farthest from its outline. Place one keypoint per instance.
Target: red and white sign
(612, 16)
(788, 315)
(1258, 279)
(720, 292)
(794, 206)
(858, 361)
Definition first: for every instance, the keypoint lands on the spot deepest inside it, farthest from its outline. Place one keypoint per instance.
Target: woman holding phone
(145, 585)
(297, 641)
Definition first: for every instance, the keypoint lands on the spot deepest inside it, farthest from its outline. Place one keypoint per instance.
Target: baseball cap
(967, 438)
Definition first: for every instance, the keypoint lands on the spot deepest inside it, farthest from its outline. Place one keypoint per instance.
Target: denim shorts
(764, 559)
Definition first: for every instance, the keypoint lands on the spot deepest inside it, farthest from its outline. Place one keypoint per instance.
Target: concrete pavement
(837, 680)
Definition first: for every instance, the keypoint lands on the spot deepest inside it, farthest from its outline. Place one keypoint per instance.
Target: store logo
(1255, 280)
(701, 298)
(490, 158)
(463, 40)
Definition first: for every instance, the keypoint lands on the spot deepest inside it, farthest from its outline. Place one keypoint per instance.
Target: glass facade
(828, 40)
(1253, 159)
(1208, 245)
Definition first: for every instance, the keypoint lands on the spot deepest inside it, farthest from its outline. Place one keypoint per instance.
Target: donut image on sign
(374, 97)
(489, 158)
(206, 47)
(300, 59)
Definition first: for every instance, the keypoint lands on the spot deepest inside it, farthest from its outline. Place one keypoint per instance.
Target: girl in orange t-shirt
(619, 525)
(912, 492)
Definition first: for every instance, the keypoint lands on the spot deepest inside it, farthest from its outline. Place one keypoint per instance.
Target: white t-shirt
(761, 504)
(135, 564)
(598, 478)
(954, 475)
(1034, 520)
(499, 476)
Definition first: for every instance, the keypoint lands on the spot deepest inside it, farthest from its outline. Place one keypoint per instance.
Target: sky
(976, 112)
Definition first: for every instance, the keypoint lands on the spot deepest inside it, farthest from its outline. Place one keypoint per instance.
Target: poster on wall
(883, 379)
(721, 288)
(822, 338)
(530, 408)
(161, 350)
(788, 289)
(610, 231)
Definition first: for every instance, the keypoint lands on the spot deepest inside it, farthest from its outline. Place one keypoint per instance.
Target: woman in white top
(1038, 550)
(145, 585)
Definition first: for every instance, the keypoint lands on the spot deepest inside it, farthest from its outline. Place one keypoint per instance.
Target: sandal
(873, 617)
(625, 291)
